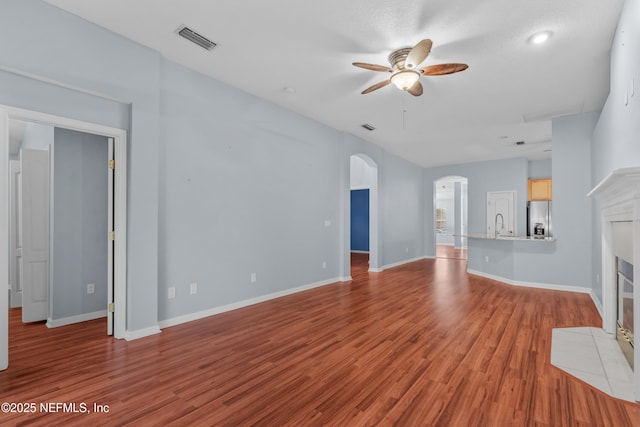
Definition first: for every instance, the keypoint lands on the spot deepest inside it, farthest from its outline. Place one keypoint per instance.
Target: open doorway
(111, 143)
(363, 242)
(451, 217)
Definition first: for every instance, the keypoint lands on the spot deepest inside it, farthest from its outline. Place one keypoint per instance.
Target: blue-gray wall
(79, 224)
(565, 262)
(60, 46)
(540, 169)
(221, 184)
(246, 187)
(496, 175)
(213, 171)
(615, 139)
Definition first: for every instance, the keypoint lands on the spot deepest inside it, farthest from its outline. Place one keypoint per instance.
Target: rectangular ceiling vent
(196, 38)
(368, 127)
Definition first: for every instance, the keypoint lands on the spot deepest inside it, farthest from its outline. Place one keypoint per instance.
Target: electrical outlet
(193, 289)
(324, 264)
(91, 288)
(486, 258)
(254, 278)
(172, 292)
(406, 250)
(327, 223)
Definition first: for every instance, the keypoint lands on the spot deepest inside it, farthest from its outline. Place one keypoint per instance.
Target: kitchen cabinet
(540, 189)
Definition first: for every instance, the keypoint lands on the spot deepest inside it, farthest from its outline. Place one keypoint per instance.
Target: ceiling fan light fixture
(539, 38)
(404, 79)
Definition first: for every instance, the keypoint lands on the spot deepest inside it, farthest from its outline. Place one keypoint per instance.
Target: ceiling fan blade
(442, 69)
(418, 54)
(416, 89)
(376, 86)
(373, 67)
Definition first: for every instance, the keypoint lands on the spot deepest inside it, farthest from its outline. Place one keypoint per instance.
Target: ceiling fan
(403, 68)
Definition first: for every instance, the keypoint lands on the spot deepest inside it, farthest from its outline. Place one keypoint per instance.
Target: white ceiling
(510, 91)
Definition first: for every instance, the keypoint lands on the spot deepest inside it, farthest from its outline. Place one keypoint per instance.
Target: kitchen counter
(507, 237)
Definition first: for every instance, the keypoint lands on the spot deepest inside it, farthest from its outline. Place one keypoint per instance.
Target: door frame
(120, 213)
(14, 172)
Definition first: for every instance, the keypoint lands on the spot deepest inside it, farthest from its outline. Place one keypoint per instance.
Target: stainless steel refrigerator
(539, 224)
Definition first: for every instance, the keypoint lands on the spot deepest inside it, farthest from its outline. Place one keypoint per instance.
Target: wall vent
(368, 127)
(196, 38)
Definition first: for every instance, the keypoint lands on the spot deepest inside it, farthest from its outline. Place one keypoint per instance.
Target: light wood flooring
(448, 251)
(418, 345)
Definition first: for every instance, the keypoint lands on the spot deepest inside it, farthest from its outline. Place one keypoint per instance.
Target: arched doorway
(450, 205)
(363, 186)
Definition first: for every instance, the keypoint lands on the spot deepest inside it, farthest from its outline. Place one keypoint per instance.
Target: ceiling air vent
(368, 127)
(196, 38)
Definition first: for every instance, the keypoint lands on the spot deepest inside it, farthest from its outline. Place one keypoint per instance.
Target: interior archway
(450, 217)
(363, 186)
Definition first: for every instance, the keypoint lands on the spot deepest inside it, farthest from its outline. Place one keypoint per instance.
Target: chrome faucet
(495, 225)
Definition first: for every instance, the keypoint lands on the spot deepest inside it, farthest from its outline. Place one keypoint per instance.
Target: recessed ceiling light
(540, 37)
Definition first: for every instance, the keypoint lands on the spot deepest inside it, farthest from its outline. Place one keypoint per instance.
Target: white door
(501, 213)
(34, 195)
(15, 251)
(110, 244)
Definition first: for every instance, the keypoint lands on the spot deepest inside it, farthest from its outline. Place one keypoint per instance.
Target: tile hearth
(593, 356)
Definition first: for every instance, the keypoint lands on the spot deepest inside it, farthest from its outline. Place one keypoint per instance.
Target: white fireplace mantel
(618, 198)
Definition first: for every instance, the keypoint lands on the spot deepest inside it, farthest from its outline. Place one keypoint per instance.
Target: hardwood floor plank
(420, 344)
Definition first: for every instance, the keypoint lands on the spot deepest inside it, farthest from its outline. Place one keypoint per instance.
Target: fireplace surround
(618, 200)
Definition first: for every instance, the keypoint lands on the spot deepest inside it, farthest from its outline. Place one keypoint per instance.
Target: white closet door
(35, 234)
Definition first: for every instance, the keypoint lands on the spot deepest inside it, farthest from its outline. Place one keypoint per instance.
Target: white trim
(4, 238)
(359, 252)
(240, 304)
(399, 263)
(42, 79)
(75, 319)
(597, 304)
(345, 279)
(120, 198)
(141, 333)
(375, 270)
(618, 197)
(548, 286)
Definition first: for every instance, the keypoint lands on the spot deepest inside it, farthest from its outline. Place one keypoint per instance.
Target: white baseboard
(359, 252)
(345, 279)
(240, 304)
(597, 304)
(75, 319)
(376, 270)
(397, 264)
(141, 333)
(550, 286)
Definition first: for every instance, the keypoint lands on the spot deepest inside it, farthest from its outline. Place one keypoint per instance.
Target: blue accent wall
(360, 220)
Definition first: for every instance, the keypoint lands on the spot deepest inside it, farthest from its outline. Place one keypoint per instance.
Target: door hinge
(112, 164)
(112, 308)
(112, 235)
